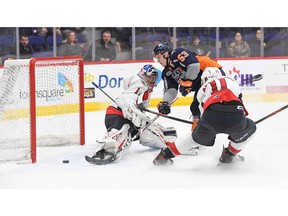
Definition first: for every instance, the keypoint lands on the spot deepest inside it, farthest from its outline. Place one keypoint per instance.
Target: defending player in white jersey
(124, 119)
(222, 111)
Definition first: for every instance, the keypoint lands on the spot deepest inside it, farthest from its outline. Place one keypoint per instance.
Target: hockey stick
(154, 119)
(93, 83)
(271, 114)
(170, 117)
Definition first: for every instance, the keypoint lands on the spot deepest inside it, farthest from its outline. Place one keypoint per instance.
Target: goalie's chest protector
(145, 98)
(138, 87)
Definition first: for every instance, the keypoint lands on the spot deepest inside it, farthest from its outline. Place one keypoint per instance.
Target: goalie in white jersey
(222, 111)
(124, 119)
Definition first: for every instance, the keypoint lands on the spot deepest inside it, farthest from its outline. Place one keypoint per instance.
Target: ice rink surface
(264, 173)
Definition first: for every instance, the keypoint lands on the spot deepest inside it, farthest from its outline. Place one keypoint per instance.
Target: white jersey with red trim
(217, 90)
(136, 91)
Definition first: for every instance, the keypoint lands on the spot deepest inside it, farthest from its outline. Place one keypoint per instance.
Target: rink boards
(109, 77)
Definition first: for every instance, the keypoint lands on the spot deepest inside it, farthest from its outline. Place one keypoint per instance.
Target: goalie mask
(210, 73)
(149, 74)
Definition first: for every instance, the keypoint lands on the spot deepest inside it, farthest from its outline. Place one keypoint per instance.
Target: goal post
(41, 104)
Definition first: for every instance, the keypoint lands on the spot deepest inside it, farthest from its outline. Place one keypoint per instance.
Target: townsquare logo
(44, 93)
(52, 93)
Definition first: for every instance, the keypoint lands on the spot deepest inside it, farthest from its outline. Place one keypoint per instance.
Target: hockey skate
(160, 160)
(227, 157)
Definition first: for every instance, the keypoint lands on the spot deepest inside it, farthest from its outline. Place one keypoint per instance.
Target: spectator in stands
(124, 35)
(255, 44)
(116, 38)
(239, 48)
(105, 49)
(81, 36)
(26, 50)
(71, 47)
(66, 30)
(45, 31)
(198, 47)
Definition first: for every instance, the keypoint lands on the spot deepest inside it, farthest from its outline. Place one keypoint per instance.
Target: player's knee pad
(115, 139)
(156, 136)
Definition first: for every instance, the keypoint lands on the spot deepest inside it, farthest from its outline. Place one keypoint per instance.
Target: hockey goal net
(41, 104)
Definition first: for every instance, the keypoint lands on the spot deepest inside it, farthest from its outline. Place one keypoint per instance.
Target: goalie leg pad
(157, 136)
(116, 139)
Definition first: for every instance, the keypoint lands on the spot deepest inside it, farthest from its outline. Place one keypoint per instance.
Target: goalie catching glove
(138, 118)
(185, 87)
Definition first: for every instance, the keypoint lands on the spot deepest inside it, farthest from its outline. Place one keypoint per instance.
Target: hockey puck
(65, 161)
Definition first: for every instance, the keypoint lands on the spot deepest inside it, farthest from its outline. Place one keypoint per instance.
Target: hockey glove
(138, 118)
(164, 107)
(185, 87)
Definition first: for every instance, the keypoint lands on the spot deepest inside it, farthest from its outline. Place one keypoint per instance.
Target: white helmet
(210, 73)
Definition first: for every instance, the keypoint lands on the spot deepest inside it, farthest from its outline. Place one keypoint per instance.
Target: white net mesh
(57, 106)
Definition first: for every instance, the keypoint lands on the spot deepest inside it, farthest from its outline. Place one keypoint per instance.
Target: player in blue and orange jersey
(182, 69)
